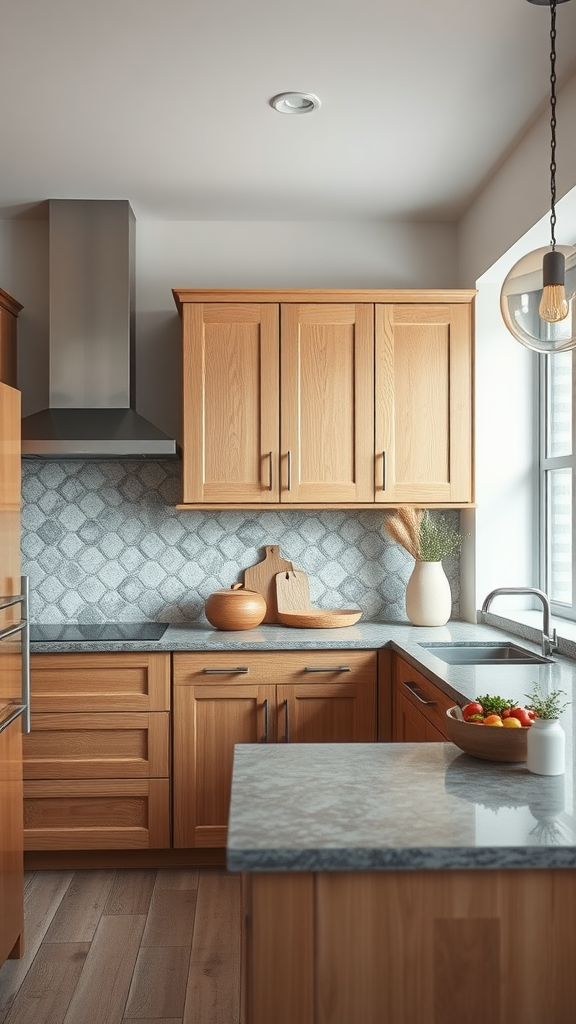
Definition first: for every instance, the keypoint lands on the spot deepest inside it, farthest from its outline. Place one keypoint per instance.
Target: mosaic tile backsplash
(102, 541)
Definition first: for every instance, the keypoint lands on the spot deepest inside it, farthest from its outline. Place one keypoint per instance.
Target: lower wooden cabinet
(97, 762)
(418, 706)
(273, 697)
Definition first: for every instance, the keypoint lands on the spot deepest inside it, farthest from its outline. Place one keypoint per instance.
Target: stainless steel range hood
(91, 390)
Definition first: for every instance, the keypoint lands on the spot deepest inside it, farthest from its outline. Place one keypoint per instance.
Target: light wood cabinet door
(231, 403)
(339, 712)
(11, 857)
(132, 681)
(423, 403)
(208, 721)
(244, 697)
(418, 706)
(327, 402)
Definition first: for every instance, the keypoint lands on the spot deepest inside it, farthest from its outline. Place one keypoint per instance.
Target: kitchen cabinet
(97, 762)
(9, 310)
(322, 398)
(418, 706)
(11, 863)
(228, 698)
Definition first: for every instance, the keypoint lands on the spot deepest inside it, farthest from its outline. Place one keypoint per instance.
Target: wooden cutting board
(292, 591)
(262, 577)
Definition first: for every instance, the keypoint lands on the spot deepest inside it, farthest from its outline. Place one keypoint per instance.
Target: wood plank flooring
(127, 947)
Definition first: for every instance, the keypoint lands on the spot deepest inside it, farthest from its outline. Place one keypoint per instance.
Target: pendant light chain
(553, 124)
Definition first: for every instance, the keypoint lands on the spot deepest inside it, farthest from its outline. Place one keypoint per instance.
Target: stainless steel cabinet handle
(11, 715)
(287, 723)
(225, 671)
(336, 668)
(429, 703)
(270, 485)
(16, 627)
(25, 590)
(384, 471)
(265, 737)
(289, 462)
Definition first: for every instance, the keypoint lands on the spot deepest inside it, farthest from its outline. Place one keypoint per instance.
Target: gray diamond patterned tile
(103, 541)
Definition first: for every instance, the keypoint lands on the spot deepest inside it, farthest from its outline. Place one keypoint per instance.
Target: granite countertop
(460, 682)
(387, 806)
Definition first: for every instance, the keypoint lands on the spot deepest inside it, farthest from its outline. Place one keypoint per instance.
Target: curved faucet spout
(549, 640)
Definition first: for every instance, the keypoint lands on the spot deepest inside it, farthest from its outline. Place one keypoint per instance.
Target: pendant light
(538, 297)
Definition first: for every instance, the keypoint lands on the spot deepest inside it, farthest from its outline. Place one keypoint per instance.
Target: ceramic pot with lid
(235, 608)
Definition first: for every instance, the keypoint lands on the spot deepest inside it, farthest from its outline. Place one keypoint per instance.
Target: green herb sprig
(437, 540)
(548, 706)
(495, 705)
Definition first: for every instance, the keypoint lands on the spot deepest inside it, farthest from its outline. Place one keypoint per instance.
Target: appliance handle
(25, 590)
(12, 714)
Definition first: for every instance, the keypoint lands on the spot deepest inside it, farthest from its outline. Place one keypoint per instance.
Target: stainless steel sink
(484, 654)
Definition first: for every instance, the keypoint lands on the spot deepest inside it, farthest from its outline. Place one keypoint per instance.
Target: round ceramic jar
(545, 748)
(236, 608)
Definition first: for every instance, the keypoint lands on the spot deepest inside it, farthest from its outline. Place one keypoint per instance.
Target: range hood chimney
(91, 405)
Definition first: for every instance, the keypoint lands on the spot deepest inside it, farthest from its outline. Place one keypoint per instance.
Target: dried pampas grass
(403, 526)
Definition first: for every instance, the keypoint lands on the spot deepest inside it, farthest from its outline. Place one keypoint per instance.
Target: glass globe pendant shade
(538, 308)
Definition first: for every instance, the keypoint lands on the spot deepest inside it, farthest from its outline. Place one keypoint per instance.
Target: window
(557, 490)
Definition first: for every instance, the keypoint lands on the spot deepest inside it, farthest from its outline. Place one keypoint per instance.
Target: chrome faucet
(549, 640)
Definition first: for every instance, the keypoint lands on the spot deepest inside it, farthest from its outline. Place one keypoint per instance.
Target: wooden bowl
(236, 608)
(488, 742)
(320, 618)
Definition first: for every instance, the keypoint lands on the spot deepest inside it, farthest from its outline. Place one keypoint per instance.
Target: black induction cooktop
(67, 632)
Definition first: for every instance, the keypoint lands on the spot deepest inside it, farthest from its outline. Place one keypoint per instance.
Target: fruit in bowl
(490, 728)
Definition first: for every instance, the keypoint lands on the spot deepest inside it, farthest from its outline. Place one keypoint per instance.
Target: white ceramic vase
(428, 596)
(546, 747)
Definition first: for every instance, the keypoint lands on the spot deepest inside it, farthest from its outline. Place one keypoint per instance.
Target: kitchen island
(404, 883)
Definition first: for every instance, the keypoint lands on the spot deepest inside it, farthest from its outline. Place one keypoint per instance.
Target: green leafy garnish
(546, 705)
(495, 705)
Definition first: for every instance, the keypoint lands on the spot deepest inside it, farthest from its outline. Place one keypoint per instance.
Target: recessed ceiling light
(295, 102)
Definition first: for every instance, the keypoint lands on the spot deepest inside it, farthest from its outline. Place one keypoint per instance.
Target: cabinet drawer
(97, 746)
(100, 682)
(109, 814)
(422, 694)
(273, 667)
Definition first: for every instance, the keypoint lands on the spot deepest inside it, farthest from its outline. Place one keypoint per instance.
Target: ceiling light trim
(295, 102)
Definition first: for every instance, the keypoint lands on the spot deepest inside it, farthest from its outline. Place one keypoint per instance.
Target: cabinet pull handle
(265, 736)
(289, 461)
(225, 671)
(414, 691)
(287, 723)
(336, 668)
(271, 484)
(384, 471)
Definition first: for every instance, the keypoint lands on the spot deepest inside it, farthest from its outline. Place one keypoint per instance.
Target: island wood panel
(135, 681)
(424, 403)
(102, 814)
(436, 947)
(327, 402)
(98, 746)
(231, 402)
(11, 881)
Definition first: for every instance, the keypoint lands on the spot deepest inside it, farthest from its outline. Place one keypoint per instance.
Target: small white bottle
(546, 747)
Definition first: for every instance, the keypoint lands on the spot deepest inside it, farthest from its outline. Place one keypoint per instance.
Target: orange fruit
(493, 720)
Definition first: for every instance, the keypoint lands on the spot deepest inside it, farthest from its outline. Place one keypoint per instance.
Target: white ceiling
(165, 103)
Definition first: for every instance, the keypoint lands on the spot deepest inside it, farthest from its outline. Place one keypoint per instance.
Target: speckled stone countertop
(388, 806)
(461, 682)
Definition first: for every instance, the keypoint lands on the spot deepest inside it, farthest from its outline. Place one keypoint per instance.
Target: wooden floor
(127, 947)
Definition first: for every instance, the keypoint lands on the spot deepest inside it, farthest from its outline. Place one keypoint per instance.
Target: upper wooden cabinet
(9, 310)
(323, 398)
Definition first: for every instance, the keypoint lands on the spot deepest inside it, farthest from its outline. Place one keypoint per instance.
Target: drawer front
(100, 682)
(110, 814)
(273, 667)
(428, 699)
(128, 745)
